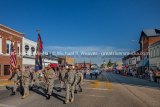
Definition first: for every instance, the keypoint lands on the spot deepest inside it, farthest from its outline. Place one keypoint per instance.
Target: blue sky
(76, 23)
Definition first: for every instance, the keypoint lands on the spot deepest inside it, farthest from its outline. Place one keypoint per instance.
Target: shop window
(154, 52)
(6, 69)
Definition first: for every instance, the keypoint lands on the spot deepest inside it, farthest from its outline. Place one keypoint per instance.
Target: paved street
(111, 90)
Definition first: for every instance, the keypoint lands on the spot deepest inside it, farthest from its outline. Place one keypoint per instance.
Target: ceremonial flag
(13, 59)
(38, 57)
(39, 44)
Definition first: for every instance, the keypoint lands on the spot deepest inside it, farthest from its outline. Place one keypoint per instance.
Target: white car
(94, 71)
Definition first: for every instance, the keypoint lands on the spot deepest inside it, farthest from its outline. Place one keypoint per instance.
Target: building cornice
(7, 31)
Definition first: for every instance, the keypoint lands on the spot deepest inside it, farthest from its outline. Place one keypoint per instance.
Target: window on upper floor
(0, 45)
(154, 52)
(32, 51)
(8, 46)
(150, 53)
(26, 49)
(18, 48)
(157, 51)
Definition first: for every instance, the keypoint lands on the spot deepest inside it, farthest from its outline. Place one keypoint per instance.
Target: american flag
(13, 59)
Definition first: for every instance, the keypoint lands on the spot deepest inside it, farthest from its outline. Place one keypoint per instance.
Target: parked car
(95, 71)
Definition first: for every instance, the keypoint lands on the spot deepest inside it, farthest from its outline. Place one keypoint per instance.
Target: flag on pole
(84, 65)
(13, 59)
(39, 44)
(38, 57)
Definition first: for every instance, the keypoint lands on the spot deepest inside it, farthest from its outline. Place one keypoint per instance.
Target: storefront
(9, 36)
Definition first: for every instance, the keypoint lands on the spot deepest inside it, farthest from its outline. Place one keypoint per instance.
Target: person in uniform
(70, 81)
(49, 74)
(79, 80)
(15, 78)
(61, 77)
(32, 79)
(26, 81)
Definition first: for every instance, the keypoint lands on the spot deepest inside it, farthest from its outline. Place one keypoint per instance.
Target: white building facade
(28, 53)
(154, 57)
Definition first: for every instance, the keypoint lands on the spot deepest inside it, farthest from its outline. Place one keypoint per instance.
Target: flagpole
(43, 63)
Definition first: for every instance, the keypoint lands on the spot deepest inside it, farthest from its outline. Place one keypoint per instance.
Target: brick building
(66, 60)
(147, 38)
(140, 60)
(83, 65)
(8, 36)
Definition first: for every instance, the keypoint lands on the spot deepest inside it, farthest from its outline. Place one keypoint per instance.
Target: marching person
(70, 81)
(49, 76)
(26, 81)
(79, 80)
(15, 78)
(61, 77)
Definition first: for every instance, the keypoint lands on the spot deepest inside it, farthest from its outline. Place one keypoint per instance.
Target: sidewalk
(4, 82)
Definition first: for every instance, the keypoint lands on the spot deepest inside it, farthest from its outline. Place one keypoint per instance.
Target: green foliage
(109, 64)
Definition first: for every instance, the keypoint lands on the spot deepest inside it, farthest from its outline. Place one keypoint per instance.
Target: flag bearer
(49, 76)
(26, 81)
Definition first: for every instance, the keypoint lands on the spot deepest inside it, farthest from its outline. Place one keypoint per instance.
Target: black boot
(13, 93)
(75, 91)
(60, 90)
(80, 90)
(48, 97)
(8, 88)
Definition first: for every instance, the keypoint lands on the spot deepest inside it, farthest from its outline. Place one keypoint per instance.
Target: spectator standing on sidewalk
(146, 73)
(151, 75)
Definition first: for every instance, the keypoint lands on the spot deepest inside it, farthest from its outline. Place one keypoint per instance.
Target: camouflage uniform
(49, 81)
(15, 78)
(26, 82)
(79, 80)
(70, 81)
(61, 77)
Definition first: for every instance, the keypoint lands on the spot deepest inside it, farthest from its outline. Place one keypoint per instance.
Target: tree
(102, 66)
(109, 64)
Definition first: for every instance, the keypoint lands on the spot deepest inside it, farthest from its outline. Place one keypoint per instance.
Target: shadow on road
(43, 92)
(59, 97)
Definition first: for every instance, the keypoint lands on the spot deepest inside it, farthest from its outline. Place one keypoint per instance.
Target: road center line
(101, 89)
(92, 95)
